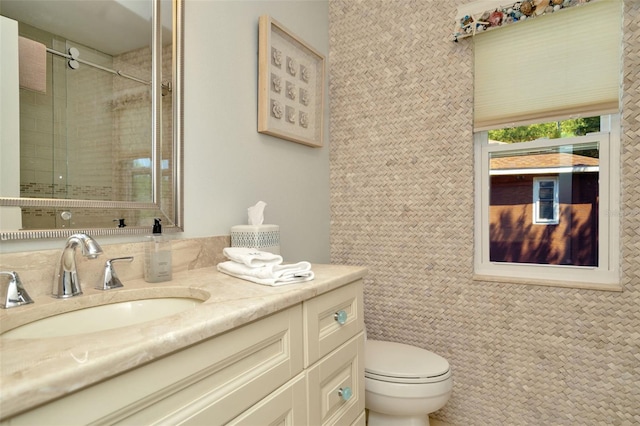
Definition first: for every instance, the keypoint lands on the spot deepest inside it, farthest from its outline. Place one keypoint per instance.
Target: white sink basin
(103, 317)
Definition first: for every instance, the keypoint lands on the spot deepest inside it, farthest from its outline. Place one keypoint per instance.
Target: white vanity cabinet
(333, 380)
(303, 365)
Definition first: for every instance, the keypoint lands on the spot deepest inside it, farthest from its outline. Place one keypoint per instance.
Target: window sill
(549, 283)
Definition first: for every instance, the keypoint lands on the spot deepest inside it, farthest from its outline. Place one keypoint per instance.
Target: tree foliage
(553, 130)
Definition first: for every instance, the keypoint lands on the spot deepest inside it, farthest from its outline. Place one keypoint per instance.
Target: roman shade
(560, 66)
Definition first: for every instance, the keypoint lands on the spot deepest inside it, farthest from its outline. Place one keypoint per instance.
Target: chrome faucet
(110, 279)
(14, 294)
(66, 283)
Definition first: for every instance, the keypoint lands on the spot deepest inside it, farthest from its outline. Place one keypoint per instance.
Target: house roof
(559, 162)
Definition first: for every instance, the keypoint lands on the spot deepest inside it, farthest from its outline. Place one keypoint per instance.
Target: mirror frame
(178, 149)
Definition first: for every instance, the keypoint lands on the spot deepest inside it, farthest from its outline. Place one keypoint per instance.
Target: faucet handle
(14, 294)
(110, 280)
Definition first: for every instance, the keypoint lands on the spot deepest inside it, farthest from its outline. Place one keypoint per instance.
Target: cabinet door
(331, 319)
(287, 407)
(336, 385)
(260, 357)
(361, 420)
(208, 383)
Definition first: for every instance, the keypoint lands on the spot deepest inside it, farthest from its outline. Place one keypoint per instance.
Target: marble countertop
(34, 371)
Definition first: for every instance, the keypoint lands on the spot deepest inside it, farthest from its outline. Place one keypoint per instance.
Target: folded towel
(252, 257)
(273, 275)
(32, 60)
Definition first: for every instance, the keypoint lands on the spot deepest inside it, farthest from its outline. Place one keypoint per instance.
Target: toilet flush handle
(340, 317)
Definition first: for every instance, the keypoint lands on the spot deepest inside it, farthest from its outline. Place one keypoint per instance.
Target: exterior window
(570, 238)
(544, 207)
(545, 201)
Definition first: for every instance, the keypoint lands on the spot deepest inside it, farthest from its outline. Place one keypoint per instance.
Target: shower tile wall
(132, 127)
(402, 205)
(88, 148)
(132, 108)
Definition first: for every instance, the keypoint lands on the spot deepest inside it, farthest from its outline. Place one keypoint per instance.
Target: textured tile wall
(402, 204)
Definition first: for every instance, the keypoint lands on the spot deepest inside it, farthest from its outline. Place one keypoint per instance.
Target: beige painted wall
(402, 204)
(228, 165)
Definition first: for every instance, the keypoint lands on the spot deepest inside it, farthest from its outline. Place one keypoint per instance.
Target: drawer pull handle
(341, 317)
(345, 393)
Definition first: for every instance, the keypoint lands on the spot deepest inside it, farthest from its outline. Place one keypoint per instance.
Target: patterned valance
(486, 15)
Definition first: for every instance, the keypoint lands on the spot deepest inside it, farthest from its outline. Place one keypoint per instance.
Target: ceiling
(110, 26)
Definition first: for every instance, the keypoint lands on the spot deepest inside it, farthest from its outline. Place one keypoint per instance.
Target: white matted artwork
(290, 86)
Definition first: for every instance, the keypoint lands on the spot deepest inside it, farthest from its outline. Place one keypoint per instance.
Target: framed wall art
(290, 86)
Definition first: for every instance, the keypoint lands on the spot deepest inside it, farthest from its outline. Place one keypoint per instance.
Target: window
(546, 208)
(547, 183)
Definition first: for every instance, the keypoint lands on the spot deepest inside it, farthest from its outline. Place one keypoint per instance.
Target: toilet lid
(390, 359)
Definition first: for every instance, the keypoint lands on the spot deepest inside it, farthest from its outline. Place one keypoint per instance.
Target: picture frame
(291, 77)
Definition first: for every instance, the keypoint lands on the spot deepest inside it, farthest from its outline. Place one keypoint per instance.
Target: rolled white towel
(273, 275)
(252, 257)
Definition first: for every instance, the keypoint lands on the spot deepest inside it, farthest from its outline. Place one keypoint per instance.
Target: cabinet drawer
(336, 385)
(287, 407)
(331, 319)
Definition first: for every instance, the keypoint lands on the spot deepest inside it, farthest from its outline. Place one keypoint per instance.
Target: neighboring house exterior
(544, 209)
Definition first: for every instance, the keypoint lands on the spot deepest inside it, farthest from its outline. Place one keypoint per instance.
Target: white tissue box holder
(262, 237)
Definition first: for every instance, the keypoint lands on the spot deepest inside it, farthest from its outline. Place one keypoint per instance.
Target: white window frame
(537, 220)
(605, 276)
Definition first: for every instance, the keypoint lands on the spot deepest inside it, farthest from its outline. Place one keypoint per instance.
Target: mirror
(92, 140)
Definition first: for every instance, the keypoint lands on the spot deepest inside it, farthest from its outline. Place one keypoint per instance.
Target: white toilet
(404, 383)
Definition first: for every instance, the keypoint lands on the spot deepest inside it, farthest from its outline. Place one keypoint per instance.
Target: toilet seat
(399, 363)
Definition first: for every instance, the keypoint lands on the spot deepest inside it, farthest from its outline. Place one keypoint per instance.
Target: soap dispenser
(157, 256)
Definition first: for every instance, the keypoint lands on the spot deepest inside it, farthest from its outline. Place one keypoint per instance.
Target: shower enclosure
(89, 136)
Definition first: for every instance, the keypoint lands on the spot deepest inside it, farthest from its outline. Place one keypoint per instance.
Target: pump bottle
(157, 256)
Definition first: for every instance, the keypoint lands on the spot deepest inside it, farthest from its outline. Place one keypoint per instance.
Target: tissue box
(262, 237)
